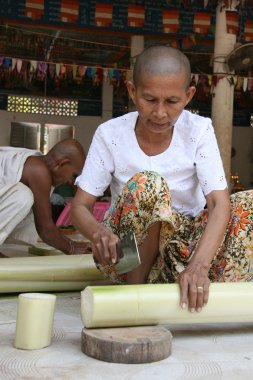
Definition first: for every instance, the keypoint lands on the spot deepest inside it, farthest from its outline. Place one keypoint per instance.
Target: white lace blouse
(191, 165)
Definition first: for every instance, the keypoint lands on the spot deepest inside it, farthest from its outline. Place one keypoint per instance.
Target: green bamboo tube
(43, 273)
(152, 304)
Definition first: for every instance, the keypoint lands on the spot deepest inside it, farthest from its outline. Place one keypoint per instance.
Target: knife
(128, 254)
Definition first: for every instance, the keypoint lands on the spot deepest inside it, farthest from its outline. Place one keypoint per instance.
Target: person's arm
(103, 240)
(37, 177)
(194, 282)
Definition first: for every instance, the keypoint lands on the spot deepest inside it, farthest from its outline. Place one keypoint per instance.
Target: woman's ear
(131, 90)
(190, 93)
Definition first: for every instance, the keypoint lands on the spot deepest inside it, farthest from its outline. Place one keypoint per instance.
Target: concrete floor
(199, 352)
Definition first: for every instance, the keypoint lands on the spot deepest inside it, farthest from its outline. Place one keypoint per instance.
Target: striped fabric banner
(103, 14)
(34, 8)
(232, 22)
(202, 21)
(248, 30)
(136, 15)
(69, 11)
(170, 21)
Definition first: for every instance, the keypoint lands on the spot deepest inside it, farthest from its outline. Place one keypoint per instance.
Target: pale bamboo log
(35, 318)
(46, 273)
(44, 286)
(133, 305)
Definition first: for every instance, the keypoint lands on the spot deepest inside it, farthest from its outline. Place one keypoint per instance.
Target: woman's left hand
(194, 287)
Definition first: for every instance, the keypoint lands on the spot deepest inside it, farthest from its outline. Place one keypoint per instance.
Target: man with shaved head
(27, 179)
(168, 186)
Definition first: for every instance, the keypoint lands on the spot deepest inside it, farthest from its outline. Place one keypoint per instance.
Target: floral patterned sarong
(146, 199)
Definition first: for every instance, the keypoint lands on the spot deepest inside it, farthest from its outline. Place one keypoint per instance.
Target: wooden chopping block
(130, 345)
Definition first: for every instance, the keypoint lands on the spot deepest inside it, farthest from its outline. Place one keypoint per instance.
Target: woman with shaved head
(168, 186)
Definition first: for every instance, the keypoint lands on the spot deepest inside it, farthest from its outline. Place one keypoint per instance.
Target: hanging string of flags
(98, 75)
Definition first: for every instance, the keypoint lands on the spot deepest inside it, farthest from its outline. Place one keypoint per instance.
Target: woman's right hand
(104, 246)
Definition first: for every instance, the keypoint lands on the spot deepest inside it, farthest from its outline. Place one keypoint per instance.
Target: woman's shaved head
(161, 60)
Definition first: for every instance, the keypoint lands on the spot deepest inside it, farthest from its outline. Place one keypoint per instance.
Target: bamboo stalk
(152, 304)
(61, 272)
(44, 286)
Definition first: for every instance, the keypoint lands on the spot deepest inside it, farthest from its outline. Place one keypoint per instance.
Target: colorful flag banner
(136, 15)
(232, 22)
(103, 14)
(34, 8)
(69, 11)
(170, 21)
(202, 21)
(248, 30)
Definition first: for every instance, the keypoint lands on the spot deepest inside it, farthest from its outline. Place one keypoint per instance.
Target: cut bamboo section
(48, 273)
(153, 304)
(35, 317)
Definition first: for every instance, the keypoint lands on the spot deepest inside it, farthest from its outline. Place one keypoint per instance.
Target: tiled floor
(208, 352)
(199, 352)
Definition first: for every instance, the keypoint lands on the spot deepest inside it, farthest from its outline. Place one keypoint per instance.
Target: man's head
(160, 88)
(65, 161)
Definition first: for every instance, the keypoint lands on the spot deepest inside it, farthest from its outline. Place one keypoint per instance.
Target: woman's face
(159, 100)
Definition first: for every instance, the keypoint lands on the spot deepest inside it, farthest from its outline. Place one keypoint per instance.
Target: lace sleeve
(209, 165)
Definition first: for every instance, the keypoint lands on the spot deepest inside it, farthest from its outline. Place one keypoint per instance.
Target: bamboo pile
(48, 273)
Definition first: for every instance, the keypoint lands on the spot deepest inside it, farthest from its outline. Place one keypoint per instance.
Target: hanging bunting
(81, 70)
(34, 9)
(58, 69)
(100, 74)
(116, 76)
(202, 22)
(136, 15)
(33, 65)
(13, 63)
(103, 14)
(245, 84)
(232, 22)
(196, 78)
(105, 75)
(19, 65)
(248, 31)
(69, 11)
(7, 62)
(235, 79)
(170, 21)
(111, 73)
(74, 71)
(89, 72)
(239, 83)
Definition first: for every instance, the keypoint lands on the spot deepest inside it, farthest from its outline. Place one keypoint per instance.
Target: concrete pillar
(107, 100)
(137, 46)
(222, 103)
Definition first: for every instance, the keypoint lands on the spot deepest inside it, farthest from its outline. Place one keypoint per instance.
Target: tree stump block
(133, 345)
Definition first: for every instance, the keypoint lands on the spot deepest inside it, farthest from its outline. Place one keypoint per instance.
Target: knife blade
(128, 254)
